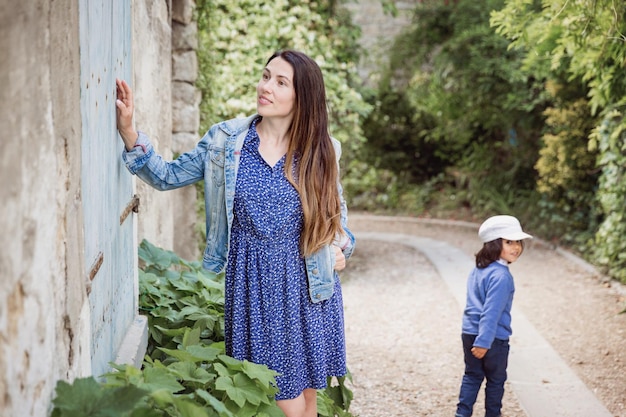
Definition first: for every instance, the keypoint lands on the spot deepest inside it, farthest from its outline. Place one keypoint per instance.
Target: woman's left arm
(340, 258)
(345, 241)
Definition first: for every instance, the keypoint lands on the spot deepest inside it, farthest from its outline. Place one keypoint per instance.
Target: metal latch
(133, 206)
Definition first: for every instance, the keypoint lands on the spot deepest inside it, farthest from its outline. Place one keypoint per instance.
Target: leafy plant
(609, 247)
(178, 295)
(186, 372)
(334, 401)
(568, 178)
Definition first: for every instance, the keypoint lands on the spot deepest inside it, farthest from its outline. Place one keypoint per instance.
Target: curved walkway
(532, 360)
(543, 383)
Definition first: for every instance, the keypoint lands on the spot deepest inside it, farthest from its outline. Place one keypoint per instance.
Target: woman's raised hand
(125, 107)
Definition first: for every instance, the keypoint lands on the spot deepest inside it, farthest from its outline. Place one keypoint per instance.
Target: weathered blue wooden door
(105, 54)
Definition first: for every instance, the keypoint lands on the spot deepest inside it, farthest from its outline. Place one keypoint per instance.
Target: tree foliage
(584, 39)
(519, 107)
(567, 174)
(460, 104)
(609, 247)
(397, 139)
(583, 42)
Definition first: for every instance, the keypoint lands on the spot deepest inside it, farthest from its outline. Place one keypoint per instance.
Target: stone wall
(185, 120)
(378, 31)
(167, 109)
(153, 110)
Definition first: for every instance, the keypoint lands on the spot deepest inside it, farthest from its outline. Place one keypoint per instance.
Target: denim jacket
(216, 160)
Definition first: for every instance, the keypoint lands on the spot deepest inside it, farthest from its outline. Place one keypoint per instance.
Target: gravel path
(403, 325)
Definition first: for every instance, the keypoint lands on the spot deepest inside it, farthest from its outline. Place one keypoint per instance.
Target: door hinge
(133, 206)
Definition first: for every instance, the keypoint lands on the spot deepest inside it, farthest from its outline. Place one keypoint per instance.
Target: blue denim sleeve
(148, 165)
(137, 157)
(347, 242)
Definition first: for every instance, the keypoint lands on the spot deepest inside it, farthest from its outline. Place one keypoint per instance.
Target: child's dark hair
(490, 252)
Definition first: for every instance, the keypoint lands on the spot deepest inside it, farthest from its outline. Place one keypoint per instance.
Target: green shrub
(609, 246)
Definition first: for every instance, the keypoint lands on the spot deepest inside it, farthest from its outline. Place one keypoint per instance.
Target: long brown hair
(310, 146)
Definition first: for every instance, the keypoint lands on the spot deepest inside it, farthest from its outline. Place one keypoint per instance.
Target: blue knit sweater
(488, 308)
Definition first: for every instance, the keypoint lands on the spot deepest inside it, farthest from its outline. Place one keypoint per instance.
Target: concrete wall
(377, 33)
(185, 121)
(153, 110)
(42, 291)
(167, 109)
(44, 306)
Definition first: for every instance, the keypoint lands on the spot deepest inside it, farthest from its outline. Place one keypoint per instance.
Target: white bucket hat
(502, 226)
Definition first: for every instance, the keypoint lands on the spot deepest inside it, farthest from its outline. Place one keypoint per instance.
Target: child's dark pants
(492, 367)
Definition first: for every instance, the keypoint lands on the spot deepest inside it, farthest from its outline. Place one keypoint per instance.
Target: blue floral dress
(269, 317)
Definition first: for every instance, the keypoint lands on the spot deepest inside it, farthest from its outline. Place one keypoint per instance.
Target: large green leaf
(193, 353)
(206, 353)
(240, 389)
(85, 397)
(157, 257)
(260, 373)
(160, 379)
(187, 408)
(215, 403)
(190, 372)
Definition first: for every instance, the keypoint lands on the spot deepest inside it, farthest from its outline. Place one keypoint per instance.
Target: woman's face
(275, 91)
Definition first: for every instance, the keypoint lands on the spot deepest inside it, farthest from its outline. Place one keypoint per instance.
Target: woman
(275, 219)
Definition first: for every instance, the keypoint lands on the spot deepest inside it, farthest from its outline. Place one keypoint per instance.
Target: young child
(487, 315)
